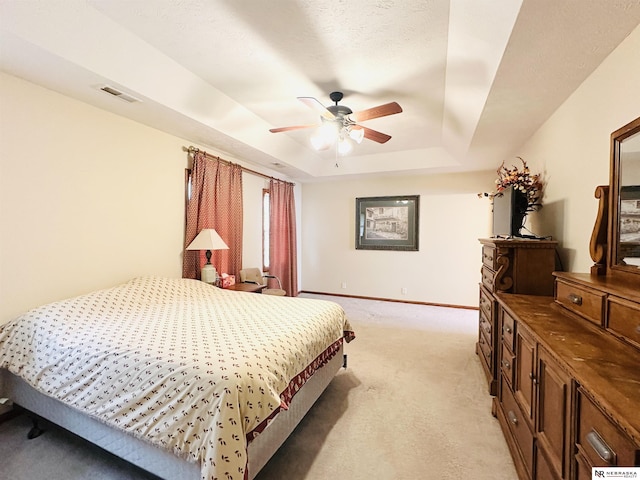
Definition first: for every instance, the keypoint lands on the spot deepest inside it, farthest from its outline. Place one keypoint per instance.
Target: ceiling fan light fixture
(340, 125)
(319, 143)
(356, 134)
(324, 136)
(344, 146)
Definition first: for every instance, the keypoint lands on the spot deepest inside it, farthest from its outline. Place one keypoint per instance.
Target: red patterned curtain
(216, 202)
(283, 258)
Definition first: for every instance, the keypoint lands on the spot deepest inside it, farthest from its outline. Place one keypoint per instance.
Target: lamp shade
(208, 239)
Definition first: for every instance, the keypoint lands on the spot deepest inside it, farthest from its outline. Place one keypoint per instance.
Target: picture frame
(388, 223)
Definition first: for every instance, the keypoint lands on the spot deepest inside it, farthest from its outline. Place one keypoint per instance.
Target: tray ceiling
(475, 79)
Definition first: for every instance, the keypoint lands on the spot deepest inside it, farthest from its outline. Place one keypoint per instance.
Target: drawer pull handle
(512, 417)
(600, 446)
(507, 329)
(575, 299)
(506, 364)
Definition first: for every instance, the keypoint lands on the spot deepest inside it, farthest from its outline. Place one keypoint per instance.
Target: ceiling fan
(339, 121)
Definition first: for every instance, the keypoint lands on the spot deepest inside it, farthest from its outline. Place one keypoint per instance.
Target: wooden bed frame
(151, 458)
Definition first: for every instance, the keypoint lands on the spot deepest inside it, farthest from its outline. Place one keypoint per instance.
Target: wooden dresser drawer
(599, 440)
(506, 364)
(508, 329)
(488, 278)
(486, 349)
(583, 471)
(485, 325)
(623, 318)
(486, 304)
(518, 426)
(489, 257)
(586, 303)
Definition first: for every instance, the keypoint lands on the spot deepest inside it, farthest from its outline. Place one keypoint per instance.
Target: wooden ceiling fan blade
(314, 104)
(375, 135)
(376, 112)
(294, 127)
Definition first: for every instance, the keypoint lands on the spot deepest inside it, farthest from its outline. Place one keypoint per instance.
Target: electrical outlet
(344, 284)
(404, 290)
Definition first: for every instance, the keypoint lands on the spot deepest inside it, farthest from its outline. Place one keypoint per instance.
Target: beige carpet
(412, 404)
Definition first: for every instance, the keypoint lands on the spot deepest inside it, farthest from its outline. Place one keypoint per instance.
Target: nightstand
(246, 287)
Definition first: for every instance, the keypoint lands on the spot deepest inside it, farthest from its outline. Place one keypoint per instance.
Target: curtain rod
(193, 150)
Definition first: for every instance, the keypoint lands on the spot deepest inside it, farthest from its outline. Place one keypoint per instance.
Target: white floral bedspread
(182, 364)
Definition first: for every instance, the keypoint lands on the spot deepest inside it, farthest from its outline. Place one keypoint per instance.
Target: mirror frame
(628, 271)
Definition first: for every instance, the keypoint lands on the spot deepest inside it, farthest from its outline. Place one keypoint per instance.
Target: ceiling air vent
(119, 94)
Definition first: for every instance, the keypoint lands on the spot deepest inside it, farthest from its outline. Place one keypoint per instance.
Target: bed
(178, 377)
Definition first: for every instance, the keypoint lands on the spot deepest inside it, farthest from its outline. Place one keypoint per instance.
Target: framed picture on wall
(387, 223)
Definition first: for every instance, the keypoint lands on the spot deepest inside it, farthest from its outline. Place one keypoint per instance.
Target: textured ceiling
(475, 79)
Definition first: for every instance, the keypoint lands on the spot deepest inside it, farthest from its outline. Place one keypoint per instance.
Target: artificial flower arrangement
(522, 180)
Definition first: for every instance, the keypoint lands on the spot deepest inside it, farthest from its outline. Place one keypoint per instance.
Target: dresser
(569, 385)
(518, 266)
(568, 394)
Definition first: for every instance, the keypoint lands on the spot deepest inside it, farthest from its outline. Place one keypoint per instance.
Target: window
(265, 229)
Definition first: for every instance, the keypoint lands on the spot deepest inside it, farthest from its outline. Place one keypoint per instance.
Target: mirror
(625, 199)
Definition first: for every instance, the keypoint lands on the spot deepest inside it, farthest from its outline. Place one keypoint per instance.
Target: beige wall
(445, 270)
(572, 150)
(89, 199)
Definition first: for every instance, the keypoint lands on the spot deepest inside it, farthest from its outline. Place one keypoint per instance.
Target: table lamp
(208, 239)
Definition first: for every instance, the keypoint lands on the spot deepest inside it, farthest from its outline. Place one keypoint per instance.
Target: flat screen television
(509, 210)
